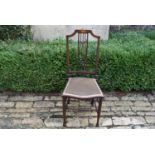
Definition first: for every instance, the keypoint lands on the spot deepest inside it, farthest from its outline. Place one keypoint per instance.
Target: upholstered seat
(82, 88)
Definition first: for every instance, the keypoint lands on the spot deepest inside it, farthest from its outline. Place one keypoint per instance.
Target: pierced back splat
(82, 50)
(81, 38)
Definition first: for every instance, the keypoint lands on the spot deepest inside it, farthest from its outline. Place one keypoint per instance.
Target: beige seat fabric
(82, 88)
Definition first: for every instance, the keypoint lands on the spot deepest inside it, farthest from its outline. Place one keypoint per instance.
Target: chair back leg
(99, 111)
(64, 111)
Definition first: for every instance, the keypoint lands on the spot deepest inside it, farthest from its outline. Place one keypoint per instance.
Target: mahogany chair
(82, 82)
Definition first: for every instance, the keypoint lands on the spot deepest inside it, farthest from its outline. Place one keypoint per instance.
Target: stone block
(6, 123)
(59, 104)
(24, 104)
(111, 98)
(106, 109)
(121, 127)
(108, 103)
(92, 122)
(33, 122)
(150, 113)
(86, 114)
(128, 113)
(3, 98)
(134, 97)
(140, 127)
(141, 103)
(142, 108)
(84, 104)
(53, 98)
(150, 119)
(6, 104)
(70, 114)
(106, 122)
(3, 115)
(128, 120)
(141, 113)
(105, 114)
(37, 110)
(19, 115)
(121, 108)
(39, 104)
(73, 123)
(17, 122)
(83, 122)
(13, 110)
(56, 109)
(151, 127)
(25, 98)
(151, 97)
(123, 103)
(103, 122)
(54, 122)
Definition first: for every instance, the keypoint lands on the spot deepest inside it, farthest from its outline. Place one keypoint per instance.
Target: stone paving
(119, 111)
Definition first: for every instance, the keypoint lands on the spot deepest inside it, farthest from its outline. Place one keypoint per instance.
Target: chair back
(82, 53)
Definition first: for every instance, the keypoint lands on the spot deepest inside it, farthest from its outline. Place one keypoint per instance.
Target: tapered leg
(99, 111)
(68, 101)
(92, 102)
(64, 111)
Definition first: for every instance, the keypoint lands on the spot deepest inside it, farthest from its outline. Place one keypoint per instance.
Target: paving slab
(119, 111)
(128, 120)
(134, 97)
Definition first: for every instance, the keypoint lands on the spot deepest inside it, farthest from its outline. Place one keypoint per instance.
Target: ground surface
(119, 111)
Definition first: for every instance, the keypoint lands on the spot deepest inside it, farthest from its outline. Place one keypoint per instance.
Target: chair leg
(99, 111)
(92, 102)
(64, 111)
(68, 102)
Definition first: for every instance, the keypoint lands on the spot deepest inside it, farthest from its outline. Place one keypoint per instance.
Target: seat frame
(66, 98)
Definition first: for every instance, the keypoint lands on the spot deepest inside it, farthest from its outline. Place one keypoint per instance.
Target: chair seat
(82, 88)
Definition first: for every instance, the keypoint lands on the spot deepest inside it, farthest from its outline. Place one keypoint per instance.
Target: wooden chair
(82, 86)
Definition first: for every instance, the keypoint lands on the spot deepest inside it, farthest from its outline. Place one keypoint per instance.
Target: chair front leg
(99, 111)
(92, 102)
(68, 102)
(64, 110)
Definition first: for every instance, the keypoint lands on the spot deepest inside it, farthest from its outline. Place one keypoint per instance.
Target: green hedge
(15, 32)
(127, 62)
(28, 66)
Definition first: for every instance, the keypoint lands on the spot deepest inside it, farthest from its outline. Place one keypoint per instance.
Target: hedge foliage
(127, 62)
(15, 32)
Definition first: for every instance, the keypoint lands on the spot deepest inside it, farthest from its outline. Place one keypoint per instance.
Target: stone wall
(114, 28)
(50, 32)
